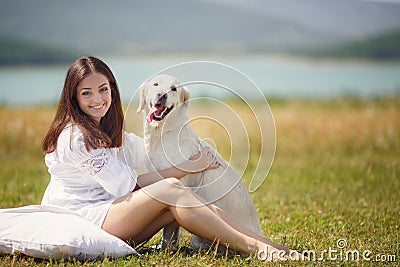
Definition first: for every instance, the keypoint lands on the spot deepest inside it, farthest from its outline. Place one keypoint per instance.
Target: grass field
(335, 178)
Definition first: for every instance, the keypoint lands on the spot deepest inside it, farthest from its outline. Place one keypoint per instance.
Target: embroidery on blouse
(95, 164)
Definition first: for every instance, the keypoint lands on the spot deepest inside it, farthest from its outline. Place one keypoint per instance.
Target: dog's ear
(185, 95)
(142, 95)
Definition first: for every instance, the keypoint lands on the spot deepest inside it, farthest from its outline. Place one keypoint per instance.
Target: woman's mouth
(98, 106)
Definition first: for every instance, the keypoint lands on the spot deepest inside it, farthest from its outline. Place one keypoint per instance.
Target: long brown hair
(109, 134)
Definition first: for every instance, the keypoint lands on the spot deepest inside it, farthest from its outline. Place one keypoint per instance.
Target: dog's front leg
(170, 237)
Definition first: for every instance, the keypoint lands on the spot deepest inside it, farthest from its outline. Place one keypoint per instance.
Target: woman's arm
(197, 163)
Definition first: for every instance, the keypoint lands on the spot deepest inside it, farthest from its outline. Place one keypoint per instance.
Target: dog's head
(160, 96)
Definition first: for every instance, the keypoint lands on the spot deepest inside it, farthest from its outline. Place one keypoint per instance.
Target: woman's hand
(204, 160)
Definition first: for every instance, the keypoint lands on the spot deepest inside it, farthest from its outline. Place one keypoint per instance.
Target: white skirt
(95, 213)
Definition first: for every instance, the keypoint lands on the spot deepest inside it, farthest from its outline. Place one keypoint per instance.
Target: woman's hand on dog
(204, 160)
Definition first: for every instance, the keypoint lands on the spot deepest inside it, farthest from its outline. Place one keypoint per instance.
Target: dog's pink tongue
(150, 117)
(151, 114)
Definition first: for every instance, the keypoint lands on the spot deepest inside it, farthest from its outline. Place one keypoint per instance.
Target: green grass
(335, 176)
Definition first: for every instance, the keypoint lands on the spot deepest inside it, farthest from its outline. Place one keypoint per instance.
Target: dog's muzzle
(159, 110)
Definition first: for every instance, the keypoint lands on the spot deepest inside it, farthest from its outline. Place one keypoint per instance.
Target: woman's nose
(97, 97)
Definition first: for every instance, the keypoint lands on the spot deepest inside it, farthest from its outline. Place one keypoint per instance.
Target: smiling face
(160, 96)
(94, 96)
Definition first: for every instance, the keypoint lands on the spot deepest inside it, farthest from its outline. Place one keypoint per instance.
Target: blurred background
(290, 48)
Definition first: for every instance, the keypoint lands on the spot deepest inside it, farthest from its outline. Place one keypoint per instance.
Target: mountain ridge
(128, 27)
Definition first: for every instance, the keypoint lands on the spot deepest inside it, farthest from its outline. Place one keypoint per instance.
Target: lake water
(275, 77)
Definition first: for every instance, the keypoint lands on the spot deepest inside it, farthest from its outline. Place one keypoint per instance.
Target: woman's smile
(99, 106)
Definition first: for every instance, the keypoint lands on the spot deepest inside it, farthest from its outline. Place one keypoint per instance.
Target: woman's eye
(86, 93)
(104, 89)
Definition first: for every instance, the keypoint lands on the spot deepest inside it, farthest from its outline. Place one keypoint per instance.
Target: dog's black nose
(161, 95)
(161, 98)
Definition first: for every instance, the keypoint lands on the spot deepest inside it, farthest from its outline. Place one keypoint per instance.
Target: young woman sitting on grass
(92, 163)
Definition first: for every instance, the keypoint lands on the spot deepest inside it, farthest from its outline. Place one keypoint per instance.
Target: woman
(92, 163)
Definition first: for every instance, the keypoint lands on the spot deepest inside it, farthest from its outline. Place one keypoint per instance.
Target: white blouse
(87, 182)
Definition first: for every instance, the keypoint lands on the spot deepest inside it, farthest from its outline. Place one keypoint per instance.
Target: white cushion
(47, 231)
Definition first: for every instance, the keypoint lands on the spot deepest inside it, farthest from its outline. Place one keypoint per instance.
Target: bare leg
(151, 229)
(245, 231)
(131, 214)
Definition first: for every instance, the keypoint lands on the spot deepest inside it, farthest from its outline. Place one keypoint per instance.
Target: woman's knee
(176, 187)
(173, 193)
(168, 190)
(175, 182)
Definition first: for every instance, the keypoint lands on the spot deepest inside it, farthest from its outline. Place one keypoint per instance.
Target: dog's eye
(173, 88)
(155, 84)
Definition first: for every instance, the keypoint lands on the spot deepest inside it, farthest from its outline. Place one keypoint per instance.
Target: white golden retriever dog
(169, 140)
